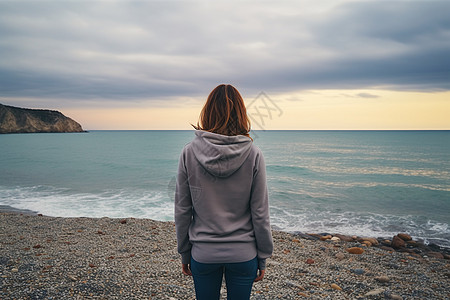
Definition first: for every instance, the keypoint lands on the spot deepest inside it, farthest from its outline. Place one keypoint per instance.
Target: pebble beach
(103, 258)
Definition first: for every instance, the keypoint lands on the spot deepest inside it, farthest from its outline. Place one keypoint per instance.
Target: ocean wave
(287, 169)
(371, 184)
(368, 224)
(140, 203)
(379, 170)
(112, 203)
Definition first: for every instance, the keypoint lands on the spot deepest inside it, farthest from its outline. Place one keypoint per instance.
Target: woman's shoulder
(187, 148)
(255, 148)
(255, 152)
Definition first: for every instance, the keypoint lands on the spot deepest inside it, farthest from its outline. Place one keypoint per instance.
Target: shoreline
(106, 258)
(382, 241)
(10, 209)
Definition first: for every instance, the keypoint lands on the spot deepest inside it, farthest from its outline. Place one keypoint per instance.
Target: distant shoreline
(27, 120)
(301, 130)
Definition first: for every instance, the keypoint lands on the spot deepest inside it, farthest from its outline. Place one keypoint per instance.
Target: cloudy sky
(150, 64)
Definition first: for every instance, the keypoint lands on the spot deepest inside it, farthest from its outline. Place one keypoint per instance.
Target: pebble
(355, 250)
(336, 287)
(404, 236)
(382, 279)
(133, 262)
(374, 292)
(372, 241)
(386, 248)
(294, 284)
(367, 243)
(340, 256)
(325, 237)
(71, 277)
(358, 271)
(397, 243)
(344, 238)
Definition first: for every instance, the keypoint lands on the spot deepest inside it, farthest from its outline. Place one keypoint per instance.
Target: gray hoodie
(221, 201)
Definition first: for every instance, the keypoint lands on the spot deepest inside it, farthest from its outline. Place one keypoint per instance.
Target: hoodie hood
(221, 155)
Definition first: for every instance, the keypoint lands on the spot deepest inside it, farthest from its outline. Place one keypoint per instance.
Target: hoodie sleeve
(183, 212)
(259, 205)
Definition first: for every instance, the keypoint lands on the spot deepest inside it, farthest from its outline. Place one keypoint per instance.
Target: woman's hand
(186, 268)
(261, 275)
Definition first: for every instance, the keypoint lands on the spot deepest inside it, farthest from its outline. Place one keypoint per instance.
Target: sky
(298, 64)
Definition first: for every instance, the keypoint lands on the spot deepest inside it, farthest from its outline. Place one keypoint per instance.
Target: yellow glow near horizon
(145, 118)
(308, 110)
(364, 110)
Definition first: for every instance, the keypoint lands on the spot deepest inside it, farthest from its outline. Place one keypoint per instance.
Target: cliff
(24, 120)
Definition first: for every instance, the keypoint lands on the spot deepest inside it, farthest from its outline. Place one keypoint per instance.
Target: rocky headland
(25, 120)
(85, 258)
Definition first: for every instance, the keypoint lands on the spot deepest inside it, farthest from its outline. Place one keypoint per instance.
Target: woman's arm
(183, 212)
(259, 205)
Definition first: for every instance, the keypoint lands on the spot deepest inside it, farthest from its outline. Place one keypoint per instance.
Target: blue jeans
(239, 279)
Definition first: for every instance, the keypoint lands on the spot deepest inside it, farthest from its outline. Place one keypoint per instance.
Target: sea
(365, 183)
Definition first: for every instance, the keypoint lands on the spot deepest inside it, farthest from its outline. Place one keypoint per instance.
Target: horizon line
(263, 130)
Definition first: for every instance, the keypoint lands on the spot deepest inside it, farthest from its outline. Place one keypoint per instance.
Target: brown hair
(224, 112)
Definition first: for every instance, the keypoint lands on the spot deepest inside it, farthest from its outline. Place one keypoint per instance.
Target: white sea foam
(114, 203)
(157, 205)
(370, 225)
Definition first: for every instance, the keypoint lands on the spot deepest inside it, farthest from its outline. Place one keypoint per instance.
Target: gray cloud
(367, 95)
(153, 50)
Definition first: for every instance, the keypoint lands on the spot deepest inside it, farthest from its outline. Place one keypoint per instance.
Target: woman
(221, 201)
